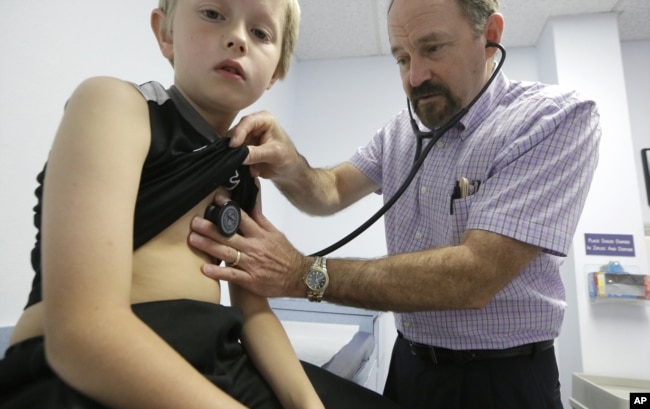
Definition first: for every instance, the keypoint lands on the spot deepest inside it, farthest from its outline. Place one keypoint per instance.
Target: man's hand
(272, 155)
(268, 264)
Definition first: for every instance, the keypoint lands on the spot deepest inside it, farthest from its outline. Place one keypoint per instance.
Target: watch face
(316, 280)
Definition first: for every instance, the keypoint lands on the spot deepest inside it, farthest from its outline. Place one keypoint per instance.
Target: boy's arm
(267, 344)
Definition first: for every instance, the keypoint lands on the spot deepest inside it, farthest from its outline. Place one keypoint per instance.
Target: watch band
(319, 264)
(314, 296)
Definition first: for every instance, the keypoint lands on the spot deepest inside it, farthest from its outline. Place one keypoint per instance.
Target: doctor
(475, 243)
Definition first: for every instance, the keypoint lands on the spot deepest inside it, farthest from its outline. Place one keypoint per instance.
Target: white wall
(636, 60)
(342, 104)
(600, 338)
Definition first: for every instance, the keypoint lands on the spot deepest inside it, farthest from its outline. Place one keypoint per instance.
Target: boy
(119, 317)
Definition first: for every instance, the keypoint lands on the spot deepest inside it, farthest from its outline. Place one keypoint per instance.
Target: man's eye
(401, 61)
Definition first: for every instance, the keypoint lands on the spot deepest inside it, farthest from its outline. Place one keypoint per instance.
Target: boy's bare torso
(165, 268)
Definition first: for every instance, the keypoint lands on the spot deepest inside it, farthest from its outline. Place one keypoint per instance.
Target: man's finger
(230, 274)
(205, 237)
(250, 126)
(256, 154)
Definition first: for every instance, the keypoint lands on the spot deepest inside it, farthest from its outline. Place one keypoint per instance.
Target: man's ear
(160, 26)
(493, 31)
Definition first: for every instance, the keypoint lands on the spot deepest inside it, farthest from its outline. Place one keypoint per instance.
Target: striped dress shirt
(533, 148)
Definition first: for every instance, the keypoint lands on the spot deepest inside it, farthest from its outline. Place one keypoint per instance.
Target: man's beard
(429, 115)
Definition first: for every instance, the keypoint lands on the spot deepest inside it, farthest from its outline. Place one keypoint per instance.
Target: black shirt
(186, 161)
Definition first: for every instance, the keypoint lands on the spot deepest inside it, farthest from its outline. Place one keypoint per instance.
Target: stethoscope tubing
(420, 157)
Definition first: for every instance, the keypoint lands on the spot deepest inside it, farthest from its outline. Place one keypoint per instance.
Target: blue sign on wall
(621, 245)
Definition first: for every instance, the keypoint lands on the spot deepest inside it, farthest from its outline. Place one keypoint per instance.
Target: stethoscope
(420, 155)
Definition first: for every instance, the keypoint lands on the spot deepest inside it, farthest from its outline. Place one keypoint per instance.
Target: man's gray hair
(476, 11)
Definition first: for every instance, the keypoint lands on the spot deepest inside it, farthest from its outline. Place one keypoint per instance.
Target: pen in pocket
(462, 189)
(463, 184)
(455, 194)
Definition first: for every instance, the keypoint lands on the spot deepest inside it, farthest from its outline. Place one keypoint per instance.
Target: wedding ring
(234, 263)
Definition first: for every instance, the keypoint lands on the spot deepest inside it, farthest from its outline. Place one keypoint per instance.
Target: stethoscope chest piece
(227, 218)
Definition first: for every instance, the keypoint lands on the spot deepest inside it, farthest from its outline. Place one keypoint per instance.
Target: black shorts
(206, 335)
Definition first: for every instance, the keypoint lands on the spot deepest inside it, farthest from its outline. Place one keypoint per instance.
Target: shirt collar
(485, 104)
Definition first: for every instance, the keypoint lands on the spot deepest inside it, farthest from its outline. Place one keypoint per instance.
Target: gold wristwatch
(316, 280)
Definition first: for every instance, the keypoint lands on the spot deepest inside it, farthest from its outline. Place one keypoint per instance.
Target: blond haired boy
(119, 314)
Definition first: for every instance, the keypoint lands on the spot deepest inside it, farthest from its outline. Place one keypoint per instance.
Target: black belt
(439, 355)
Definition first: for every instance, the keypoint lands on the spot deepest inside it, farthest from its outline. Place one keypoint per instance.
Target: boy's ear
(159, 25)
(274, 79)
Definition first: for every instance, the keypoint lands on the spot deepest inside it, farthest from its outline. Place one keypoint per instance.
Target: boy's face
(225, 52)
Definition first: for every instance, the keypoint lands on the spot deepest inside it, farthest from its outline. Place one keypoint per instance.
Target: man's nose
(419, 72)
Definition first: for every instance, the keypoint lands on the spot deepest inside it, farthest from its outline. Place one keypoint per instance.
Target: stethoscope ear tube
(434, 136)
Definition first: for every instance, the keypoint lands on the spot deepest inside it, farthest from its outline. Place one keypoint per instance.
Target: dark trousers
(339, 393)
(206, 335)
(521, 382)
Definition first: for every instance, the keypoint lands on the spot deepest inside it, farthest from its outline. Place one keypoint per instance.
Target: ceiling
(357, 28)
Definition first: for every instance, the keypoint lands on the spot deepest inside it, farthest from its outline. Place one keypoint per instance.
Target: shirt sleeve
(538, 184)
(386, 153)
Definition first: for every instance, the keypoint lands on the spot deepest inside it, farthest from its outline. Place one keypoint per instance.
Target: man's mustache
(426, 89)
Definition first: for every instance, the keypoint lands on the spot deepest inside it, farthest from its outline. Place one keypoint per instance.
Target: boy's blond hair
(289, 36)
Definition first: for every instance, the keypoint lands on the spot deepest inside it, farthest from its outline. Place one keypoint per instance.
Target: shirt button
(418, 235)
(407, 324)
(440, 144)
(424, 190)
